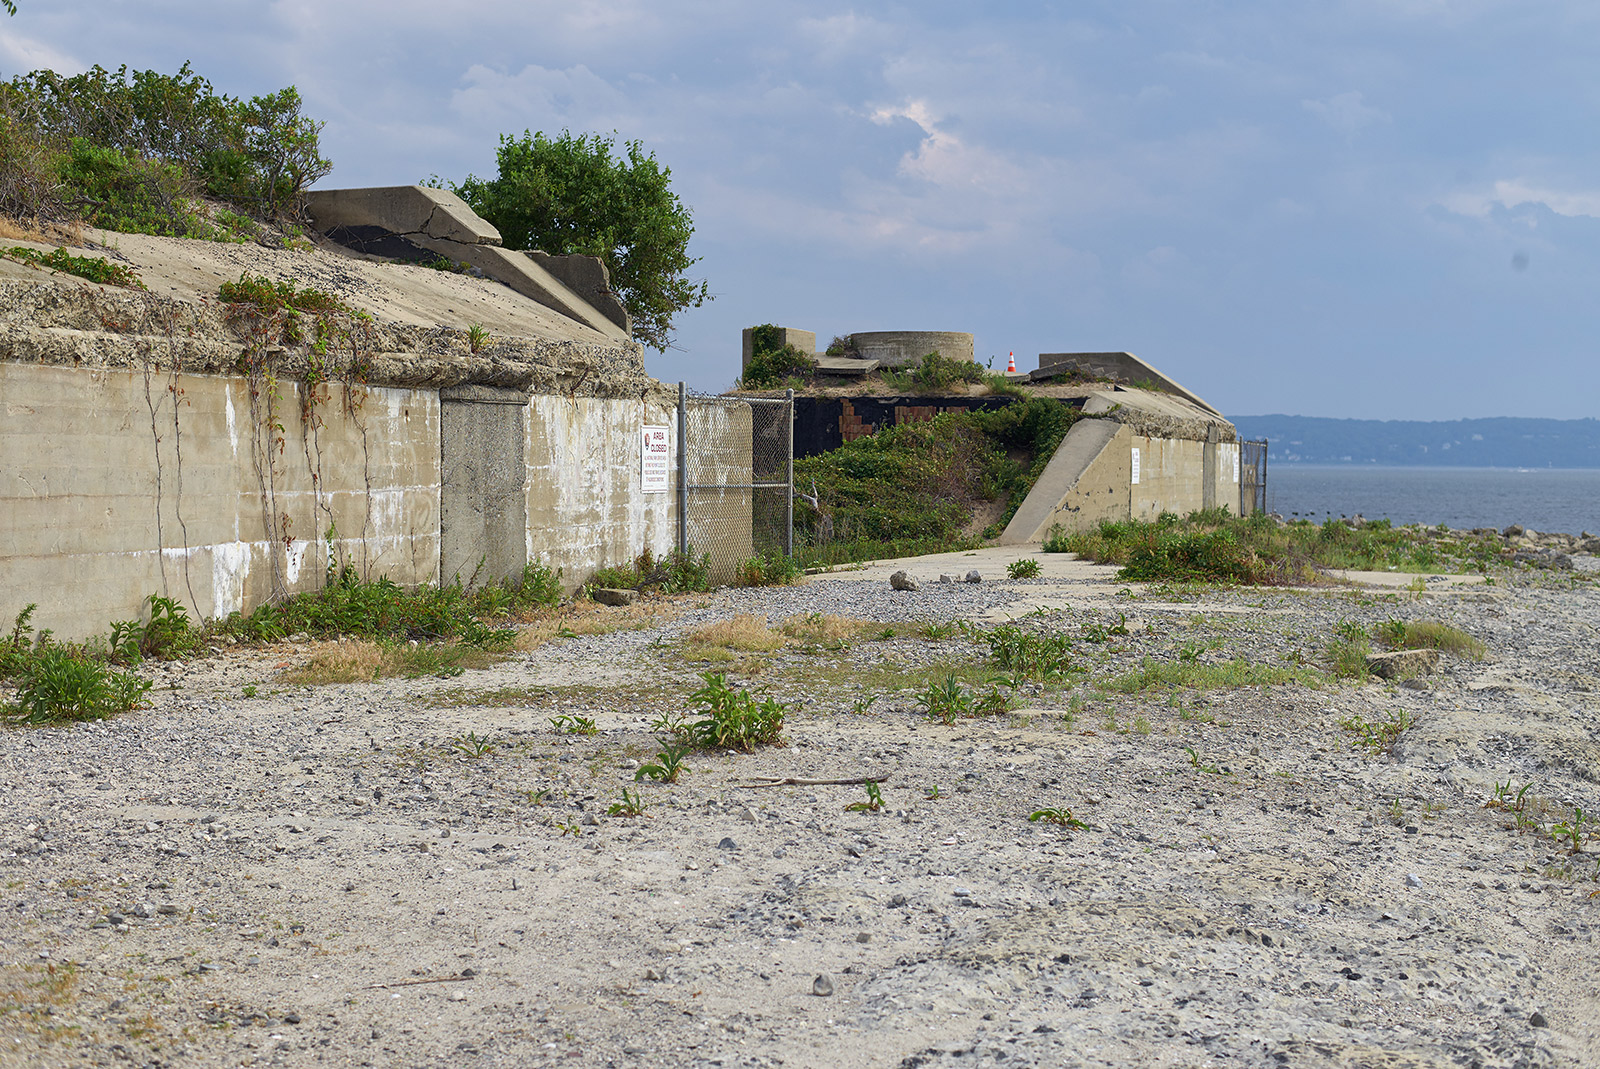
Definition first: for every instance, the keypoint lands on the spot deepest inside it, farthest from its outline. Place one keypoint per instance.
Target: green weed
(946, 701)
(572, 724)
(1023, 569)
(873, 803)
(632, 805)
(1061, 818)
(666, 768)
(93, 268)
(729, 719)
(473, 745)
(1377, 737)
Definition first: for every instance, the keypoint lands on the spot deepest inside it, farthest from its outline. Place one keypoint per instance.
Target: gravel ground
(330, 876)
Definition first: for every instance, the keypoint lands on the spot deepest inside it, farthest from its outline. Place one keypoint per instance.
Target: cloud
(943, 159)
(1348, 113)
(536, 95)
(20, 55)
(1514, 193)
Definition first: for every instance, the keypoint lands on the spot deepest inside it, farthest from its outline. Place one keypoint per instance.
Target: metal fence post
(683, 469)
(788, 500)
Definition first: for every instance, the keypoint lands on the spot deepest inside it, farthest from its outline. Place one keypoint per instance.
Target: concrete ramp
(1088, 478)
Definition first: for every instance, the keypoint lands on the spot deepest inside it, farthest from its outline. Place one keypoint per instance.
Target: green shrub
(61, 684)
(1023, 569)
(731, 719)
(772, 364)
(767, 569)
(93, 268)
(676, 573)
(1213, 546)
(940, 372)
(377, 609)
(129, 150)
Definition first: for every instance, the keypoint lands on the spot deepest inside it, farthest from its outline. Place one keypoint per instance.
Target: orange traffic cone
(1011, 364)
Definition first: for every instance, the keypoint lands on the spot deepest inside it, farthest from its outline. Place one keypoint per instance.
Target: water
(1545, 499)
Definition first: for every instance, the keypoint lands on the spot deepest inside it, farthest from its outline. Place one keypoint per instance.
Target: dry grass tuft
(39, 231)
(357, 660)
(825, 628)
(347, 661)
(569, 621)
(748, 632)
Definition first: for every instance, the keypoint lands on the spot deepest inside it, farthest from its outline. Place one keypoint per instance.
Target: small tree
(572, 195)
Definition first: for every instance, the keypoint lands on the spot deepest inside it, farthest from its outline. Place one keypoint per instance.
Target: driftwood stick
(413, 983)
(791, 781)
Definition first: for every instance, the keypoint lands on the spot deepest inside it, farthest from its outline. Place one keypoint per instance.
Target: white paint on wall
(1136, 466)
(227, 407)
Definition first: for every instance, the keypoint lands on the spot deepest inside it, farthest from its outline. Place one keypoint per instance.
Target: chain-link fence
(1252, 477)
(735, 478)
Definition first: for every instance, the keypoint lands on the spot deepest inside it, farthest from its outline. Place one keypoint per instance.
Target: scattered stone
(727, 843)
(902, 581)
(944, 578)
(974, 577)
(1537, 1020)
(1412, 880)
(1403, 664)
(748, 815)
(613, 596)
(822, 985)
(291, 1018)
(863, 937)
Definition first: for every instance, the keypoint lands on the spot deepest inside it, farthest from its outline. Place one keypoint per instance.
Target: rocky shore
(1309, 872)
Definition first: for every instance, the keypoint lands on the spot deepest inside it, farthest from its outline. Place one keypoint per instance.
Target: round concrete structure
(898, 348)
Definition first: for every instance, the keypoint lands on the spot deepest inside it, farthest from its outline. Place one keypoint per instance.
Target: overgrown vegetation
(1212, 546)
(913, 487)
(772, 364)
(94, 268)
(767, 569)
(137, 151)
(675, 573)
(350, 606)
(61, 683)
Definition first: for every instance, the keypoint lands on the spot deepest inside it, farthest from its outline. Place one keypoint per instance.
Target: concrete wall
(98, 508)
(899, 348)
(1090, 479)
(586, 508)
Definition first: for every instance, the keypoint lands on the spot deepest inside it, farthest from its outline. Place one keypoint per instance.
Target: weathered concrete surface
(588, 277)
(1080, 486)
(249, 479)
(440, 222)
(115, 486)
(585, 504)
(1124, 368)
(1090, 479)
(434, 213)
(1158, 414)
(483, 509)
(898, 348)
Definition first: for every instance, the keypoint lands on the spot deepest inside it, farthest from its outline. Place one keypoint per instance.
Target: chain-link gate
(1252, 477)
(735, 478)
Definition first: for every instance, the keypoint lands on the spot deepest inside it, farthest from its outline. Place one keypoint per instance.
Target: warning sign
(655, 458)
(655, 452)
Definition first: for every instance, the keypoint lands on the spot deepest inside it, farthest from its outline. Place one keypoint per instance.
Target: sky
(1381, 209)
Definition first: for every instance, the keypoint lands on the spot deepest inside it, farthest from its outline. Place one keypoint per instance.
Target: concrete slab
(844, 365)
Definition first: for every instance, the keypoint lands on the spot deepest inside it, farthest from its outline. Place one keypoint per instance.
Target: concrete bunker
(164, 442)
(1143, 443)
